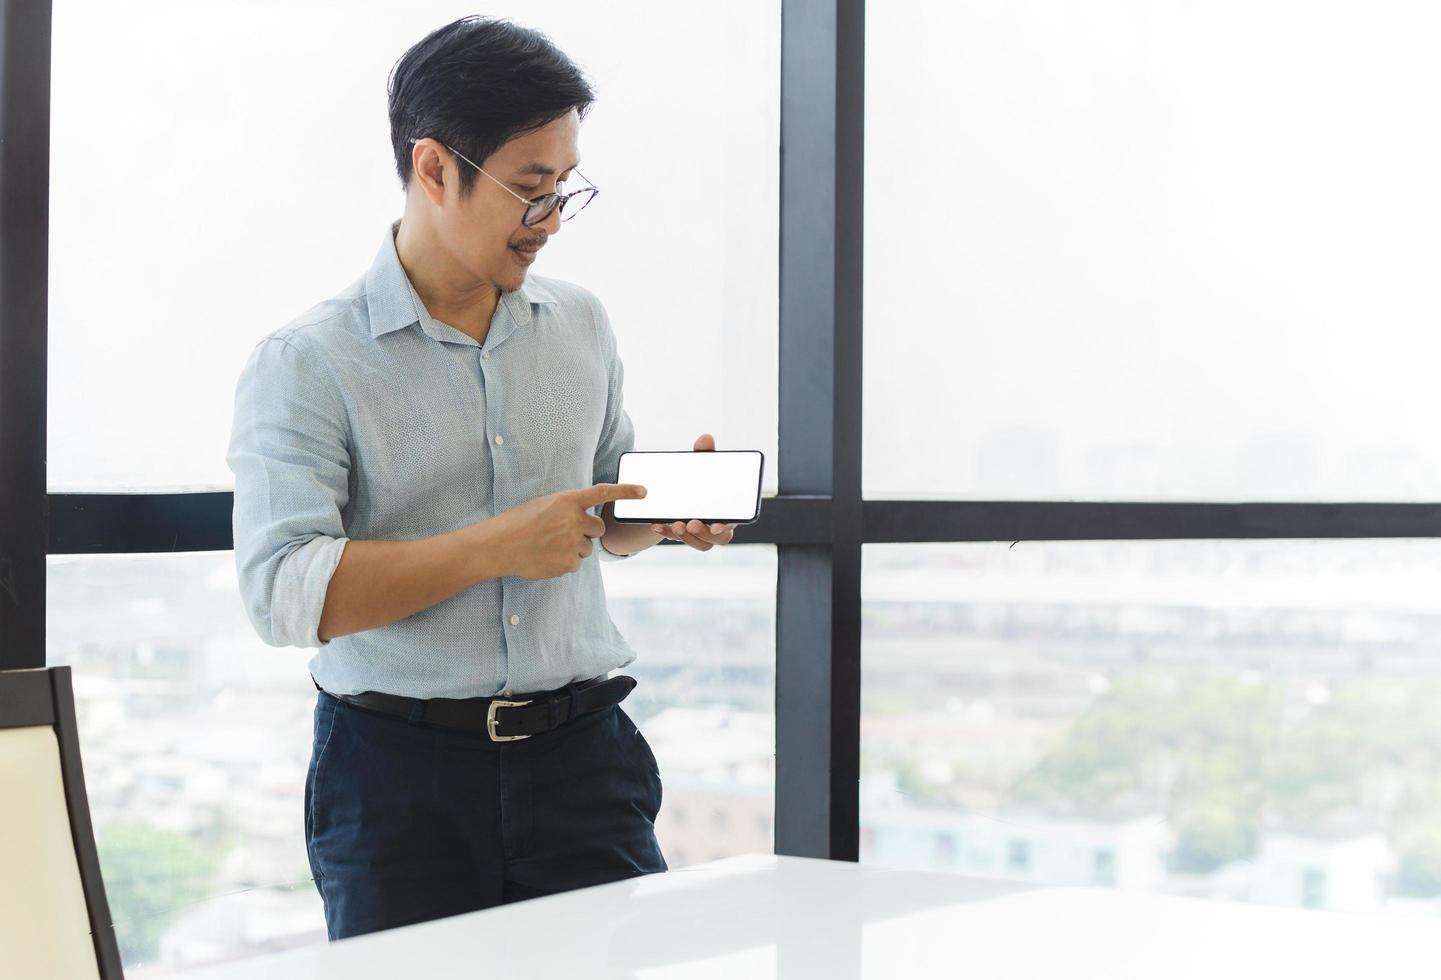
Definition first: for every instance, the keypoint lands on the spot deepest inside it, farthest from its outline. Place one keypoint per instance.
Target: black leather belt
(506, 719)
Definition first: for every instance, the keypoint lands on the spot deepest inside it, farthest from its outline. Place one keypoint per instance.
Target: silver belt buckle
(491, 722)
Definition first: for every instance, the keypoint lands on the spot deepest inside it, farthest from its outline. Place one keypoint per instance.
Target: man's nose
(551, 223)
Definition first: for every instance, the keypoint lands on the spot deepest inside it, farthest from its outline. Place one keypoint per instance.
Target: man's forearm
(625, 539)
(380, 582)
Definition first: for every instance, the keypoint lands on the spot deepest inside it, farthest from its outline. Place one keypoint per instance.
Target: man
(417, 466)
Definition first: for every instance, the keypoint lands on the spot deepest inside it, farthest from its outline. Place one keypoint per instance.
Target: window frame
(818, 522)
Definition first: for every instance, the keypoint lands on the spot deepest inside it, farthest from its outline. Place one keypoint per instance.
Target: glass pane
(196, 736)
(704, 629)
(1179, 251)
(196, 740)
(1251, 720)
(207, 193)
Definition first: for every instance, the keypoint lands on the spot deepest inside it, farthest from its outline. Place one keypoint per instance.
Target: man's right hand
(551, 535)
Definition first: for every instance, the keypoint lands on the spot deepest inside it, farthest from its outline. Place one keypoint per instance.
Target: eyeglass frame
(536, 202)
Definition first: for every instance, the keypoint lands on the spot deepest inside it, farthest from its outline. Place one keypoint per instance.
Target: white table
(796, 918)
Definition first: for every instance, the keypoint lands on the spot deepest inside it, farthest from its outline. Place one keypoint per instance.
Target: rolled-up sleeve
(289, 451)
(617, 434)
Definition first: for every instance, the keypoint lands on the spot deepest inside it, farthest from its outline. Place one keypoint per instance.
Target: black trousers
(405, 823)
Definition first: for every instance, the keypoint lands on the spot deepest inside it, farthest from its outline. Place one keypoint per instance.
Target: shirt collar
(393, 303)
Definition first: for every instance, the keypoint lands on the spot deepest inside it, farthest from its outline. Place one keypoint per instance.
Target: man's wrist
(485, 552)
(629, 540)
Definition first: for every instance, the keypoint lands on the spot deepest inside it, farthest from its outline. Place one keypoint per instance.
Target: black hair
(476, 83)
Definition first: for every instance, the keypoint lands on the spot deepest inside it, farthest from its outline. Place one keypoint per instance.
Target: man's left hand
(698, 535)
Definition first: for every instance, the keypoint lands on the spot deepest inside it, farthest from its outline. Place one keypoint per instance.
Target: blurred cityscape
(1251, 720)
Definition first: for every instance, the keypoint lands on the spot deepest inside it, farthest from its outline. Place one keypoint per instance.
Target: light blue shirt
(365, 418)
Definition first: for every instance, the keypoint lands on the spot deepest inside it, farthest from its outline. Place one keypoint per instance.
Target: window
(197, 736)
(168, 265)
(181, 231)
(196, 739)
(703, 627)
(1197, 717)
(1125, 289)
(1131, 252)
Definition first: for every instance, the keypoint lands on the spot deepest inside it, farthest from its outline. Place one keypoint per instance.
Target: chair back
(54, 920)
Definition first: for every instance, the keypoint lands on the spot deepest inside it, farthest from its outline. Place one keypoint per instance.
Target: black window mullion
(134, 523)
(818, 677)
(144, 523)
(24, 288)
(905, 521)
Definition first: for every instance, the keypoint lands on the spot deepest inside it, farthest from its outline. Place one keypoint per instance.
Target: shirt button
(506, 693)
(485, 356)
(514, 619)
(499, 439)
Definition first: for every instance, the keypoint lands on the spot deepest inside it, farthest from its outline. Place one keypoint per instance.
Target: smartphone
(718, 487)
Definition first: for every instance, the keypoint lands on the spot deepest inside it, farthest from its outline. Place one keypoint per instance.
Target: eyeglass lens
(573, 204)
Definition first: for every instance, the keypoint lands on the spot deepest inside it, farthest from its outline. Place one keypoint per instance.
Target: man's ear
(427, 168)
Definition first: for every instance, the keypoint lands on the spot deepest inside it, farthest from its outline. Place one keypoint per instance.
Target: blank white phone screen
(709, 486)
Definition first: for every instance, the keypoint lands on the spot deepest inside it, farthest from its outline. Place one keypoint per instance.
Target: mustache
(530, 244)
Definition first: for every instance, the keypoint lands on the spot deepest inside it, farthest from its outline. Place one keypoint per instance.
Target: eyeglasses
(537, 209)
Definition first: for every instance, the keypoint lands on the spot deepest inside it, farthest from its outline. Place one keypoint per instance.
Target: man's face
(484, 230)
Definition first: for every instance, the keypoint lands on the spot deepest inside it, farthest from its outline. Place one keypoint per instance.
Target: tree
(150, 876)
(1186, 744)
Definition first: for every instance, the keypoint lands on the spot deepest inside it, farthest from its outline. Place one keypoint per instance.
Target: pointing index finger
(603, 492)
